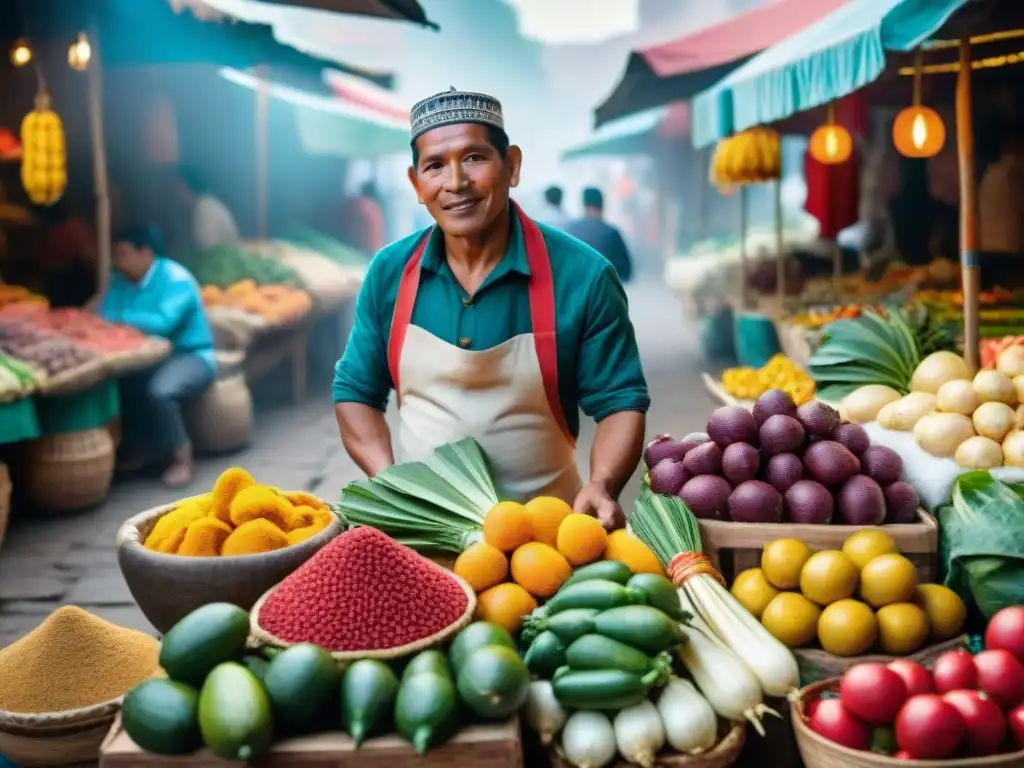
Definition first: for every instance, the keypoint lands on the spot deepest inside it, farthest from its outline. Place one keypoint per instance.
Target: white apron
(506, 397)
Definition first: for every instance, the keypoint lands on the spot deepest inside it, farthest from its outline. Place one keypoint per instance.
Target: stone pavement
(71, 560)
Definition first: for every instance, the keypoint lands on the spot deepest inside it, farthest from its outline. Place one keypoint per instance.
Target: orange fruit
(505, 605)
(507, 526)
(629, 550)
(482, 566)
(581, 539)
(546, 514)
(540, 569)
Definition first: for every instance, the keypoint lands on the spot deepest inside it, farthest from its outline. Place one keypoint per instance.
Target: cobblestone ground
(46, 563)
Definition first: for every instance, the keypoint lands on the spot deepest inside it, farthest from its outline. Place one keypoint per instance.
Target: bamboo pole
(101, 179)
(780, 255)
(837, 269)
(262, 137)
(969, 267)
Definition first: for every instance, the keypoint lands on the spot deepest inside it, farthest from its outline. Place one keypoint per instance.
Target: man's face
(462, 179)
(132, 262)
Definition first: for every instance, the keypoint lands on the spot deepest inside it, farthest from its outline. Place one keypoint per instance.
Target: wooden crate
(480, 746)
(735, 547)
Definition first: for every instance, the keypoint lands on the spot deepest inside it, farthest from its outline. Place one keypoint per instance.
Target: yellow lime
(847, 628)
(828, 576)
(753, 591)
(888, 579)
(902, 628)
(791, 618)
(946, 611)
(782, 560)
(864, 546)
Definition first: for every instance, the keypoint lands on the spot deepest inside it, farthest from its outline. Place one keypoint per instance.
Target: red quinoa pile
(363, 592)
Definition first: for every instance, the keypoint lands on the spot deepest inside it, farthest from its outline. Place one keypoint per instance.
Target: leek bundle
(435, 504)
(666, 525)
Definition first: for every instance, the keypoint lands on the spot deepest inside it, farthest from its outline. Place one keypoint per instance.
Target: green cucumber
(234, 713)
(425, 710)
(493, 682)
(208, 636)
(600, 652)
(368, 693)
(658, 593)
(545, 654)
(160, 716)
(608, 570)
(432, 660)
(302, 682)
(641, 626)
(568, 625)
(595, 593)
(475, 636)
(602, 689)
(257, 665)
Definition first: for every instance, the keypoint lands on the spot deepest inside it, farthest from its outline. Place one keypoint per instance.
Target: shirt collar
(148, 277)
(514, 259)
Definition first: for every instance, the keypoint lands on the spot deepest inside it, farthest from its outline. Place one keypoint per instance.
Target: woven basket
(819, 752)
(59, 738)
(76, 379)
(5, 500)
(69, 472)
(144, 356)
(221, 419)
(816, 664)
(259, 638)
(169, 587)
(722, 755)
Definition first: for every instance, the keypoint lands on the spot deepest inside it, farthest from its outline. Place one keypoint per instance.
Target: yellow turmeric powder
(204, 538)
(301, 534)
(256, 536)
(73, 659)
(227, 487)
(260, 501)
(304, 499)
(176, 520)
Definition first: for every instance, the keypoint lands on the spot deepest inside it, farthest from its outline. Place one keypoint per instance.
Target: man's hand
(595, 500)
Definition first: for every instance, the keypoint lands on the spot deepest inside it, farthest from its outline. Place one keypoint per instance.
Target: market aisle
(72, 560)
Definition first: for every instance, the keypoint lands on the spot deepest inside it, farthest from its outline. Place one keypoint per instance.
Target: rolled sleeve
(611, 378)
(362, 375)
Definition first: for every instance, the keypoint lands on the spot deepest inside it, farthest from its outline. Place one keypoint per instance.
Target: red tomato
(832, 721)
(955, 671)
(1005, 632)
(872, 693)
(917, 679)
(929, 728)
(986, 728)
(1001, 676)
(1016, 722)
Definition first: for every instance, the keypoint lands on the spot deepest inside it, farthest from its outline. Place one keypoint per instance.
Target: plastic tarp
(831, 58)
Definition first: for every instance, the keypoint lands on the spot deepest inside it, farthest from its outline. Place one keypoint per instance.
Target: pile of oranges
(538, 544)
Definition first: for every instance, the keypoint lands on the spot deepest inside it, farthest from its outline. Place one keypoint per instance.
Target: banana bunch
(44, 172)
(751, 157)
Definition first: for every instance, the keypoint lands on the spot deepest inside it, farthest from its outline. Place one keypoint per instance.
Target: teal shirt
(599, 368)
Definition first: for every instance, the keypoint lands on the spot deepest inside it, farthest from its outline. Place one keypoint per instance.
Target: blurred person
(363, 220)
(491, 326)
(553, 215)
(210, 221)
(593, 230)
(159, 297)
(67, 256)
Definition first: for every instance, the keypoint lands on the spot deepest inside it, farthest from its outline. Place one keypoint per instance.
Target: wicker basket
(60, 738)
(76, 379)
(169, 587)
(144, 356)
(69, 472)
(816, 664)
(819, 752)
(722, 755)
(5, 500)
(221, 420)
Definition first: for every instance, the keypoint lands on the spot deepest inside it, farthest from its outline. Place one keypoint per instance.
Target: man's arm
(180, 300)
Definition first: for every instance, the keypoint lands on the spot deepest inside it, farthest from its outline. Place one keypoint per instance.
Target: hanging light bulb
(918, 131)
(831, 143)
(21, 53)
(79, 53)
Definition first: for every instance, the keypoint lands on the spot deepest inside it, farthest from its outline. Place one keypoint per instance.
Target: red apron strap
(542, 315)
(402, 315)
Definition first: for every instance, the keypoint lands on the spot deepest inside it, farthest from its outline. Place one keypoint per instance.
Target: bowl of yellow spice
(230, 545)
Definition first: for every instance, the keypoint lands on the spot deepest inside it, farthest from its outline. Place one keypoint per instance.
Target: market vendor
(491, 326)
(160, 298)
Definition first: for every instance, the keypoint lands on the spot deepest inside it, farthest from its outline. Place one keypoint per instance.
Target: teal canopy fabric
(626, 136)
(823, 62)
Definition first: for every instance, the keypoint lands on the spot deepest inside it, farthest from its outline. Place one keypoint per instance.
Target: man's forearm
(366, 437)
(617, 448)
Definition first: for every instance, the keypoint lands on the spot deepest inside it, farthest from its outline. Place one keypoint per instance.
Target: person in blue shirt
(593, 230)
(161, 298)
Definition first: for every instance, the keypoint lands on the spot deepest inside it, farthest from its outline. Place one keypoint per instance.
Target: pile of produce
(966, 706)
(225, 265)
(335, 250)
(14, 297)
(865, 597)
(990, 349)
(780, 372)
(45, 351)
(73, 660)
(751, 157)
(92, 332)
(816, 318)
(782, 462)
(17, 380)
(276, 304)
(239, 517)
(327, 281)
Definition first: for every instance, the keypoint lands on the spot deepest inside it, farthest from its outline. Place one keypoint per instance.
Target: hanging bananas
(751, 157)
(44, 171)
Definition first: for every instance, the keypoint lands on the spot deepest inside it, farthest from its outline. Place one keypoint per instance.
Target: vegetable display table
(278, 345)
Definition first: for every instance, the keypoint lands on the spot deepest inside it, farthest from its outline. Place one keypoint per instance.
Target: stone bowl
(169, 587)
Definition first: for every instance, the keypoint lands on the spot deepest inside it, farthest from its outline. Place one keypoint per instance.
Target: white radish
(588, 740)
(542, 711)
(691, 725)
(639, 733)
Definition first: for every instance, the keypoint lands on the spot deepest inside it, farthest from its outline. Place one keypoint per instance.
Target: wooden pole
(101, 180)
(744, 293)
(780, 255)
(969, 267)
(262, 134)
(837, 269)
